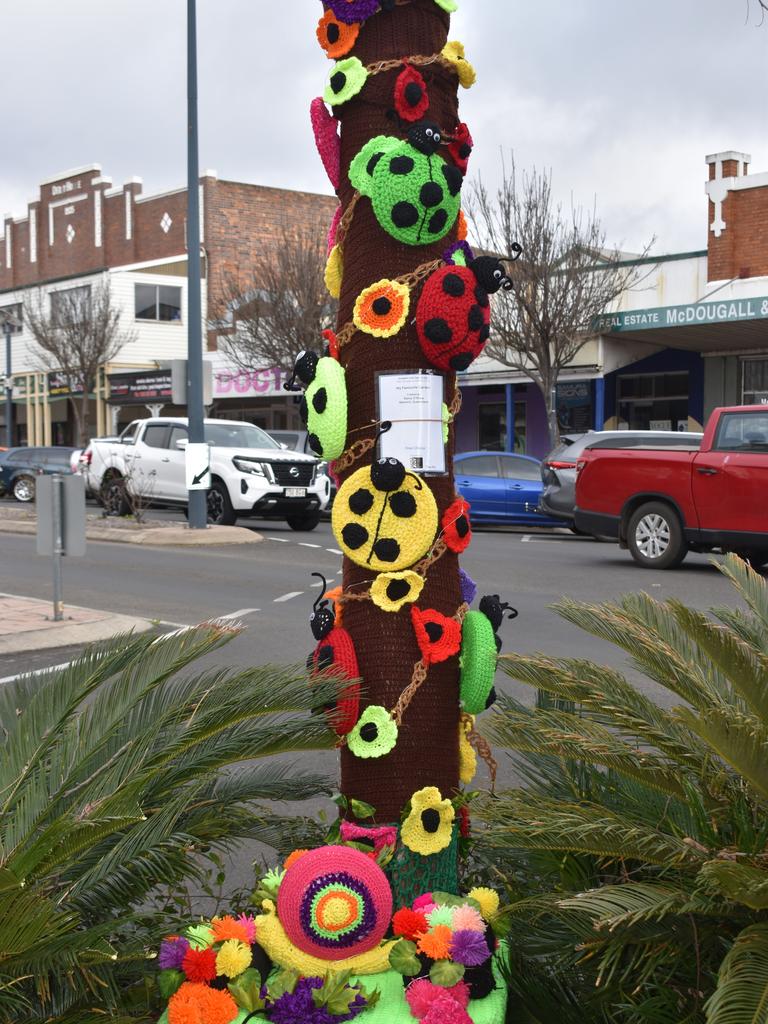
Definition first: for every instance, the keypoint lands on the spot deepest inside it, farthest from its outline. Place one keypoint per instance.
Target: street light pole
(195, 408)
(7, 326)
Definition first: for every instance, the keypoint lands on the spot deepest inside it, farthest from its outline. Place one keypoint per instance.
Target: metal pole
(8, 386)
(58, 545)
(195, 409)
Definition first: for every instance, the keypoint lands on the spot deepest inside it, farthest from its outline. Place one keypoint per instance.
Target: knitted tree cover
(426, 752)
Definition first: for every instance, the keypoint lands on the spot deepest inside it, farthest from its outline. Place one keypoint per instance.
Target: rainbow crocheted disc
(334, 903)
(478, 662)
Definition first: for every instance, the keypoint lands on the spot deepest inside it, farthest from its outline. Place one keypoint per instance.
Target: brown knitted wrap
(427, 749)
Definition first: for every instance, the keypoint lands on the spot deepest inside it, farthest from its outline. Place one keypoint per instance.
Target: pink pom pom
(445, 1010)
(460, 993)
(420, 995)
(325, 126)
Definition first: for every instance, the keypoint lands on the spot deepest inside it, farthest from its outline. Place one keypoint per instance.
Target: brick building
(81, 232)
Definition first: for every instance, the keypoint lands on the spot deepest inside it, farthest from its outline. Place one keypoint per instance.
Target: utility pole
(195, 408)
(9, 322)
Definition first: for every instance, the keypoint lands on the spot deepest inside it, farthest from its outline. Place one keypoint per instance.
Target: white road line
(280, 540)
(303, 544)
(49, 668)
(525, 538)
(287, 597)
(334, 551)
(239, 614)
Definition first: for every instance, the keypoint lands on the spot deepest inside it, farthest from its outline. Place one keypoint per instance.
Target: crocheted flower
(346, 79)
(465, 826)
(350, 11)
(228, 928)
(249, 924)
(375, 733)
(438, 636)
(467, 919)
(335, 36)
(411, 97)
(459, 254)
(172, 952)
(453, 51)
(445, 1010)
(409, 923)
(325, 128)
(292, 857)
(381, 309)
(469, 948)
(233, 958)
(199, 964)
(429, 825)
(468, 587)
(460, 147)
(334, 268)
(467, 755)
(448, 5)
(391, 590)
(457, 530)
(199, 935)
(461, 227)
(488, 900)
(425, 900)
(199, 1004)
(423, 993)
(440, 915)
(436, 943)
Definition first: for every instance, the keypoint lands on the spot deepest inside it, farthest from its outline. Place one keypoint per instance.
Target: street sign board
(72, 515)
(198, 466)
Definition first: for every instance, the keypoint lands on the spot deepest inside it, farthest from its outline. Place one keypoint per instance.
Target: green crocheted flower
(448, 5)
(375, 733)
(346, 79)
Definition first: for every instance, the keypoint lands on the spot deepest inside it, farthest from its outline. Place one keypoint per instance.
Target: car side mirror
(283, 445)
(127, 440)
(182, 443)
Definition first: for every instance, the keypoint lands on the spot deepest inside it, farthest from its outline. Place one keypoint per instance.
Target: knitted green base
(410, 874)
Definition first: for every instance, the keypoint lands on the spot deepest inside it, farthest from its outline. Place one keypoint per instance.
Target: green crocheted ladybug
(415, 193)
(324, 405)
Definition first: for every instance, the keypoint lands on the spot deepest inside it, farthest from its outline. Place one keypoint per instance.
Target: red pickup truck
(663, 503)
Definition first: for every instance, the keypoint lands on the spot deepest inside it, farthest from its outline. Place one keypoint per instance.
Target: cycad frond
(741, 996)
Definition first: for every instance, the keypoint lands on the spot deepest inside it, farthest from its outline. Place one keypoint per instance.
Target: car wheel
(305, 521)
(24, 488)
(655, 537)
(114, 500)
(220, 511)
(757, 559)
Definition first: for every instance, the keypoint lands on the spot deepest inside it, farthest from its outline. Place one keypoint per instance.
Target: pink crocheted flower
(445, 1010)
(422, 901)
(466, 918)
(325, 128)
(422, 994)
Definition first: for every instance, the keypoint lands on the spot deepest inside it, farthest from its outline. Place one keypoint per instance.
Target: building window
(754, 382)
(492, 426)
(71, 305)
(158, 302)
(15, 315)
(653, 401)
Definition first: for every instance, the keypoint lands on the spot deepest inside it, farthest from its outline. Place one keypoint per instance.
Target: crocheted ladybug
(414, 191)
(323, 408)
(383, 517)
(335, 651)
(453, 314)
(494, 608)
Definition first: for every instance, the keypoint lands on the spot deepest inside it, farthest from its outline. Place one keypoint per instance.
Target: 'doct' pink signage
(236, 383)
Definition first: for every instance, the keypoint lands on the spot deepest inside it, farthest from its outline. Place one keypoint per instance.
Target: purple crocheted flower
(171, 954)
(458, 247)
(350, 11)
(297, 1007)
(469, 948)
(468, 587)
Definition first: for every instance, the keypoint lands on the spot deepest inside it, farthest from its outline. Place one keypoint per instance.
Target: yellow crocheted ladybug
(384, 518)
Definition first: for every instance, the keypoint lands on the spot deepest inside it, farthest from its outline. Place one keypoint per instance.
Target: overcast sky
(620, 100)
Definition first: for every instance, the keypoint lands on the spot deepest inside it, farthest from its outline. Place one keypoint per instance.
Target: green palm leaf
(741, 996)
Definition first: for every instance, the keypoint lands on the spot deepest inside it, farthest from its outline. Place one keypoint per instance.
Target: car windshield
(238, 435)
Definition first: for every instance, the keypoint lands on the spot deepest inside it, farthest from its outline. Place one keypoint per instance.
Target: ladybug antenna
(507, 607)
(384, 427)
(516, 251)
(418, 481)
(320, 602)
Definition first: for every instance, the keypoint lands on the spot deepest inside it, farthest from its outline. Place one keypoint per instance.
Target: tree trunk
(426, 753)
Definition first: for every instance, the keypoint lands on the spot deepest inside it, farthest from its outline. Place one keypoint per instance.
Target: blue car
(20, 466)
(501, 488)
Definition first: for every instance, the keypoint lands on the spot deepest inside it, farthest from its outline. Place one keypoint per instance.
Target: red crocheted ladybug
(335, 653)
(453, 314)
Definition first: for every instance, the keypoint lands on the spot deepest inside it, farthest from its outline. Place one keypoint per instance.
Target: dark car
(501, 488)
(558, 469)
(20, 466)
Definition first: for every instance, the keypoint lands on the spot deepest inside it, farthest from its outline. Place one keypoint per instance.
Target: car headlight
(322, 469)
(248, 466)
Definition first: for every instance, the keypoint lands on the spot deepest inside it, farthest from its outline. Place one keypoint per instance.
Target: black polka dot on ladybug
(413, 93)
(404, 215)
(481, 296)
(460, 362)
(324, 657)
(386, 549)
(475, 318)
(462, 526)
(320, 400)
(314, 443)
(431, 194)
(437, 222)
(401, 165)
(438, 331)
(453, 178)
(354, 535)
(465, 151)
(303, 412)
(361, 501)
(403, 504)
(484, 335)
(453, 285)
(371, 165)
(338, 81)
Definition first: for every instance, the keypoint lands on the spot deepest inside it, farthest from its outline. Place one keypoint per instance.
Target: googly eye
(437, 136)
(429, 133)
(497, 274)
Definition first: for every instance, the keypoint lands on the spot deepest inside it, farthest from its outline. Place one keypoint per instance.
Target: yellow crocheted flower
(429, 826)
(334, 268)
(233, 958)
(467, 755)
(391, 590)
(488, 900)
(454, 52)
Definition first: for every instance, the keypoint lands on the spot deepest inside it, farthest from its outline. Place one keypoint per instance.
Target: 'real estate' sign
(139, 387)
(683, 316)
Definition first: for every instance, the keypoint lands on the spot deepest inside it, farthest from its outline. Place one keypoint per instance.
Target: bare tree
(280, 305)
(77, 331)
(564, 278)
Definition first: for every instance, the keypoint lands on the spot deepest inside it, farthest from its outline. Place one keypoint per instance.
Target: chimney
(724, 168)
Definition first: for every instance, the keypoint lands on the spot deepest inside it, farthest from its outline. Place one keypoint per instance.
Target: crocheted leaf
(403, 959)
(445, 973)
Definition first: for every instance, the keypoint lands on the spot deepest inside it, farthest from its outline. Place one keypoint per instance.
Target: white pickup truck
(251, 474)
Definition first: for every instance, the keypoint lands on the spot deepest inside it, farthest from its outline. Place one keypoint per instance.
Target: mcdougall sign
(683, 316)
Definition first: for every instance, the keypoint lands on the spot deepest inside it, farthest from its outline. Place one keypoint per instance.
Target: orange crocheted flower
(436, 944)
(228, 928)
(381, 309)
(199, 1004)
(293, 857)
(336, 37)
(461, 227)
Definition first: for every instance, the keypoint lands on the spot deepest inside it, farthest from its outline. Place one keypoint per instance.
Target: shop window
(15, 316)
(492, 426)
(754, 382)
(653, 401)
(160, 302)
(71, 305)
